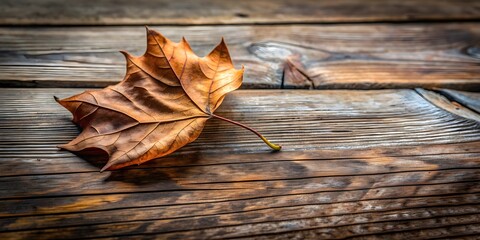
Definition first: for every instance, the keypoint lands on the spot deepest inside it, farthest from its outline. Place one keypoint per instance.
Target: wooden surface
(141, 12)
(444, 103)
(383, 160)
(359, 56)
(377, 163)
(469, 99)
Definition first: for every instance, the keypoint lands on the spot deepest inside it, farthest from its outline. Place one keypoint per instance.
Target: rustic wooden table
(388, 147)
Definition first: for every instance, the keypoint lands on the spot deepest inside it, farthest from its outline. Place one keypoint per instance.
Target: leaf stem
(273, 146)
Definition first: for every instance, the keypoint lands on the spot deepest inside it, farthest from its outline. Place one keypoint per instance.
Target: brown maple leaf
(161, 105)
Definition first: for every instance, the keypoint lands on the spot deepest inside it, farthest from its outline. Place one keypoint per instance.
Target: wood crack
(441, 101)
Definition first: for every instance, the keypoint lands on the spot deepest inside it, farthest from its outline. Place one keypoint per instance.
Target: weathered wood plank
(109, 12)
(264, 208)
(443, 228)
(282, 187)
(281, 197)
(358, 163)
(78, 215)
(334, 56)
(32, 124)
(273, 221)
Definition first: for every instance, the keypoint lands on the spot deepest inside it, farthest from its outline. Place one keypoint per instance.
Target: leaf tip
(150, 31)
(126, 54)
(106, 167)
(62, 102)
(241, 70)
(186, 44)
(222, 45)
(63, 147)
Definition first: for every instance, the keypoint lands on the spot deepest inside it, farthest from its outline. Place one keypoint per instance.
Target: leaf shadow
(166, 171)
(92, 156)
(162, 170)
(132, 175)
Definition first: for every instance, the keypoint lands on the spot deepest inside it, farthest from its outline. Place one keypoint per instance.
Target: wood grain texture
(470, 100)
(355, 163)
(444, 103)
(109, 12)
(361, 56)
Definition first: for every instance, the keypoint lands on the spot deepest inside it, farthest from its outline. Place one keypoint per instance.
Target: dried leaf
(161, 105)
